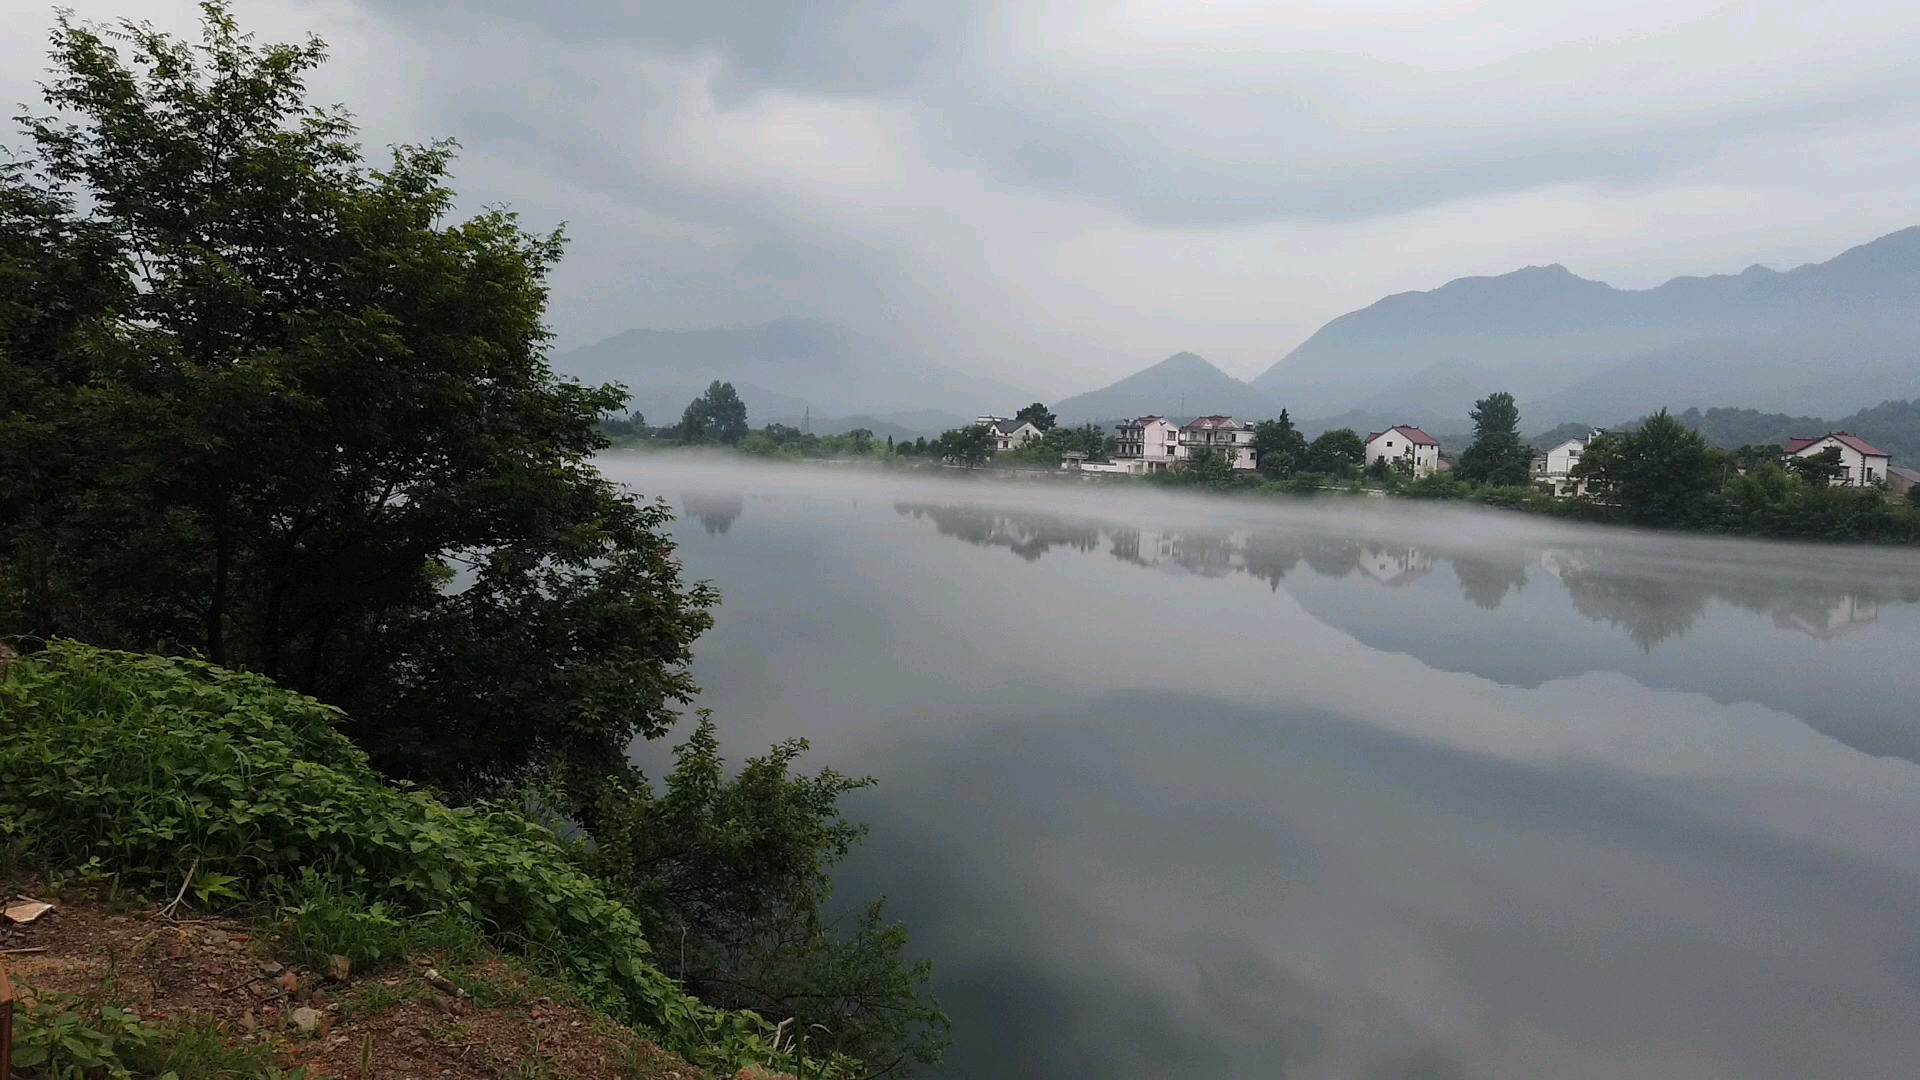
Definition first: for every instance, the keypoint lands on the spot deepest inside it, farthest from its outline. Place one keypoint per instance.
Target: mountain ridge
(1185, 384)
(1560, 341)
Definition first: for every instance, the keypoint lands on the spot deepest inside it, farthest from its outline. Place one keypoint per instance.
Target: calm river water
(1196, 788)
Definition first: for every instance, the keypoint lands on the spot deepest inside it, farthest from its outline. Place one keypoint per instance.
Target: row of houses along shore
(1153, 443)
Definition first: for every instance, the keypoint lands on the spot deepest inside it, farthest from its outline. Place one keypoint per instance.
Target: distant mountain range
(1182, 385)
(1827, 338)
(784, 369)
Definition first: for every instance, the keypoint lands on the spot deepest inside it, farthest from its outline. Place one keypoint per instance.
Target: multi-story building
(1405, 445)
(1222, 435)
(1554, 469)
(1152, 441)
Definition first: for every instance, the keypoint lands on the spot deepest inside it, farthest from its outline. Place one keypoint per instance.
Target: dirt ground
(399, 1023)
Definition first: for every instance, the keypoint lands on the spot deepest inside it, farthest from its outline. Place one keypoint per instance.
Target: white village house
(1008, 433)
(1864, 464)
(1222, 435)
(1147, 444)
(1555, 467)
(1404, 443)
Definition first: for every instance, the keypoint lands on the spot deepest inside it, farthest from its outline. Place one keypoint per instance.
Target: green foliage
(1497, 455)
(1037, 415)
(329, 921)
(969, 446)
(147, 767)
(1660, 474)
(1279, 447)
(89, 1037)
(730, 876)
(1339, 453)
(1771, 501)
(258, 401)
(70, 1037)
(782, 440)
(627, 428)
(717, 416)
(1201, 468)
(1437, 485)
(1089, 439)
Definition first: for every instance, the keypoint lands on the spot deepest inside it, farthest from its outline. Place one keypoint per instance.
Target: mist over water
(1345, 788)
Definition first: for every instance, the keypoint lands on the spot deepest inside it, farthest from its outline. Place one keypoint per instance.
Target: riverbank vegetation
(268, 405)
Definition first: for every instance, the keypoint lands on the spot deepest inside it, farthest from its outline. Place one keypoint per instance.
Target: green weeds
(156, 771)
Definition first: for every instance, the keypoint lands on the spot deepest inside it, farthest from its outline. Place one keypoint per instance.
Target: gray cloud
(831, 45)
(1062, 191)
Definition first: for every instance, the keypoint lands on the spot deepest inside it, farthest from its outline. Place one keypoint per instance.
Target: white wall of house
(1394, 444)
(1152, 440)
(1862, 469)
(1555, 467)
(1007, 435)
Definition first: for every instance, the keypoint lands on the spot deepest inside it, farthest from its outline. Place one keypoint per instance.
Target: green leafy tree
(730, 877)
(1822, 469)
(1661, 474)
(717, 416)
(269, 405)
(1203, 467)
(1279, 447)
(1037, 415)
(1497, 455)
(969, 446)
(1339, 452)
(1754, 455)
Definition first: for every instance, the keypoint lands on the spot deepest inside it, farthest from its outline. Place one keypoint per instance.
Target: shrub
(162, 770)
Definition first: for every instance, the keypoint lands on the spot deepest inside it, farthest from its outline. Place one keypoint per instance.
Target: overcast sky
(1064, 190)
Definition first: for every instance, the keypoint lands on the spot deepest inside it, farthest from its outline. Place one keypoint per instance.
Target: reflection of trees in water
(1026, 535)
(716, 512)
(1655, 604)
(1486, 582)
(1650, 609)
(1651, 602)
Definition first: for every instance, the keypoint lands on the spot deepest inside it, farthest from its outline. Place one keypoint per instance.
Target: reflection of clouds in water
(1167, 886)
(1151, 821)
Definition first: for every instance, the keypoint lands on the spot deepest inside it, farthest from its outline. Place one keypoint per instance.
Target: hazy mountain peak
(1757, 339)
(1184, 384)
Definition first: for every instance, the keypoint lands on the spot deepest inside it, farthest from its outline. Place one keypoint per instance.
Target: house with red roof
(1405, 446)
(1863, 463)
(1223, 435)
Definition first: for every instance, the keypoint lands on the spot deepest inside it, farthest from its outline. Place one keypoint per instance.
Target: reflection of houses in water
(1843, 615)
(1206, 554)
(1396, 567)
(1652, 601)
(1026, 535)
(1561, 563)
